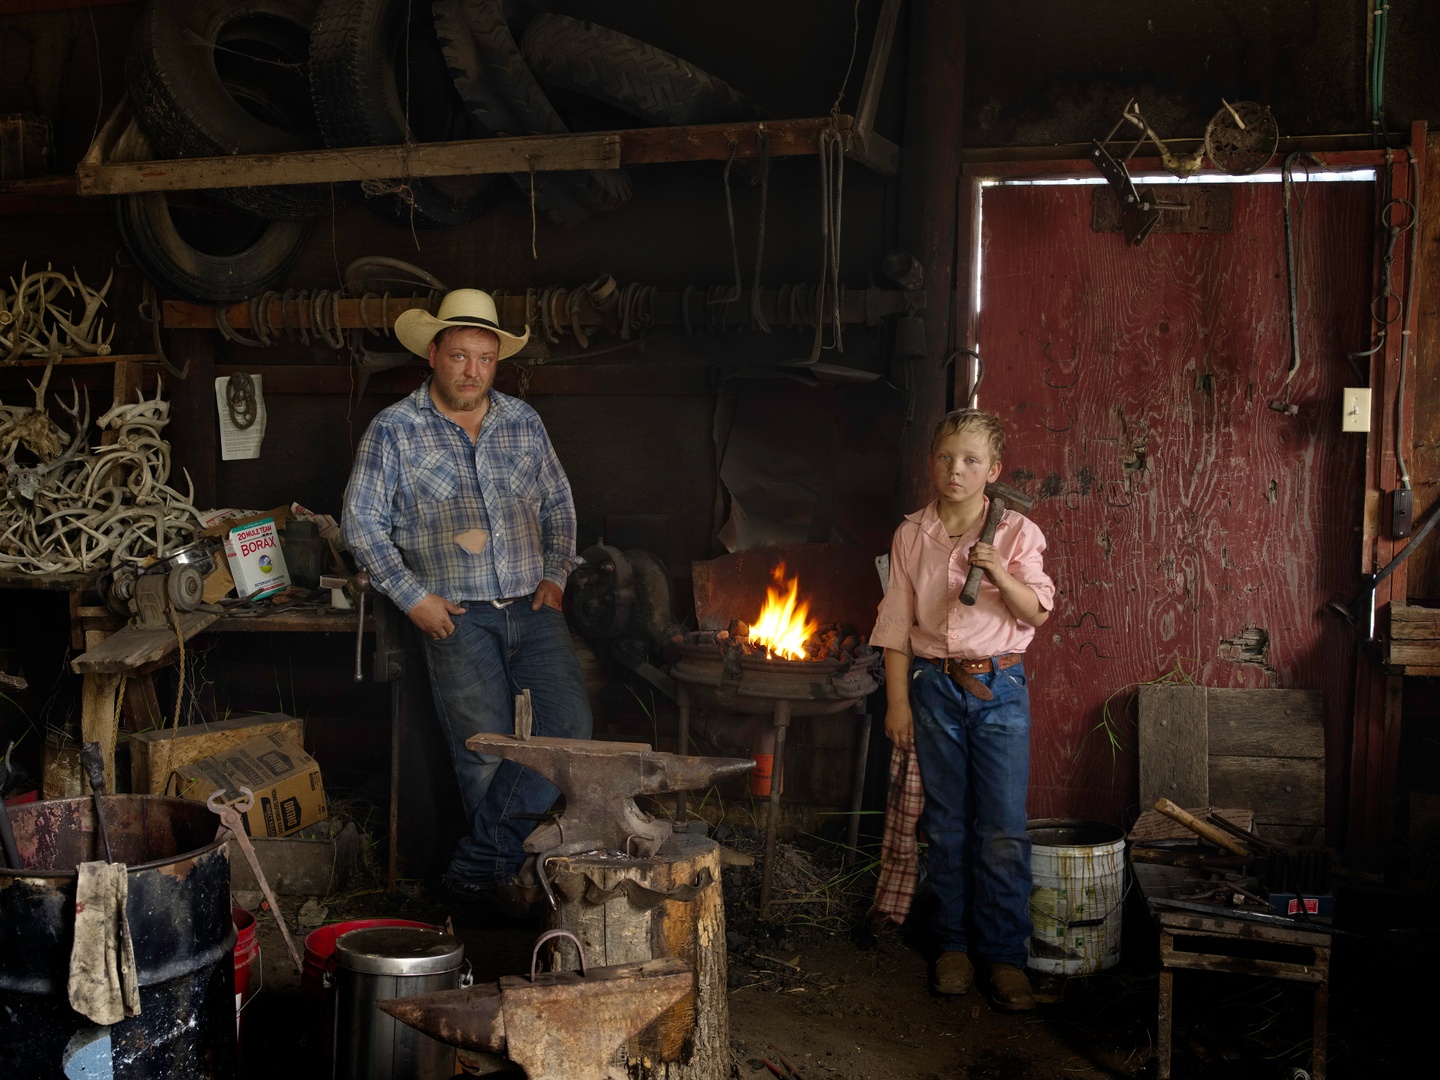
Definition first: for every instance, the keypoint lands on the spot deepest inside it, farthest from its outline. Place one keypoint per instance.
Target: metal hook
(535, 956)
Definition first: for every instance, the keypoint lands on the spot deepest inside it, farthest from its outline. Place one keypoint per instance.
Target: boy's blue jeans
(475, 674)
(975, 764)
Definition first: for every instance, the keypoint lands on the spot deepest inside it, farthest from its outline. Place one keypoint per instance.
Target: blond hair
(986, 424)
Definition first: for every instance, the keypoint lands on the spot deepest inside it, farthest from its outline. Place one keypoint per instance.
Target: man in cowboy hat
(463, 516)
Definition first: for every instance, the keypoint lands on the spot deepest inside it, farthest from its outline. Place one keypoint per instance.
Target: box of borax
(256, 561)
(284, 780)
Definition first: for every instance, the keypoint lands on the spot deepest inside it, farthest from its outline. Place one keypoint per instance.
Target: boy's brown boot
(954, 974)
(1010, 989)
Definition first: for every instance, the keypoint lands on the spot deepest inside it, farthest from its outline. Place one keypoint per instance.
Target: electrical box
(1355, 409)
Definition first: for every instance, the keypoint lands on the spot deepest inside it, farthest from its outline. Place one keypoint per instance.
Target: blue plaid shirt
(418, 484)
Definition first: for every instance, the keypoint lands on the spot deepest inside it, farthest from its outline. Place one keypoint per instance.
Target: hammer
(1001, 496)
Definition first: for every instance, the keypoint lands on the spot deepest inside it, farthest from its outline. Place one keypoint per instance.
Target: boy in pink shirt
(956, 693)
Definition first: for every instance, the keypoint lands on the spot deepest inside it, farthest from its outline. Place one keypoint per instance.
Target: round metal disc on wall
(1241, 138)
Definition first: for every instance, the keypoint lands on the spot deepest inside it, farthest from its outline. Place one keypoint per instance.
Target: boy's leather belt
(962, 672)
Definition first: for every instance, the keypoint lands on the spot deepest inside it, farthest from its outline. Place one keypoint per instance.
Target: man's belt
(962, 672)
(506, 602)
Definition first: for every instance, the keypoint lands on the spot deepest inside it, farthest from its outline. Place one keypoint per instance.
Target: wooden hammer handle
(971, 592)
(1202, 829)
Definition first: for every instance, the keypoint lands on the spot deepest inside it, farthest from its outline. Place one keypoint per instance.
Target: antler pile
(32, 324)
(75, 511)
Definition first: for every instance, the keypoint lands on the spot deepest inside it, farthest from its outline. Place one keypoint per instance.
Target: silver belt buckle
(501, 604)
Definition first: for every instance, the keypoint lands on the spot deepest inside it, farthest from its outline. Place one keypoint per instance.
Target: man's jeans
(475, 674)
(975, 763)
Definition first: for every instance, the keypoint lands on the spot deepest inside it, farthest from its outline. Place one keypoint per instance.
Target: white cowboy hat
(416, 328)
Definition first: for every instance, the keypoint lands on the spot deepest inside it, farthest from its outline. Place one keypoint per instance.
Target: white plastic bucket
(1078, 872)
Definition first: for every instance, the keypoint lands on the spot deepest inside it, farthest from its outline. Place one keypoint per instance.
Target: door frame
(1365, 815)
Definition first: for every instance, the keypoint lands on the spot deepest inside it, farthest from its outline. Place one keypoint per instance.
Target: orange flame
(784, 624)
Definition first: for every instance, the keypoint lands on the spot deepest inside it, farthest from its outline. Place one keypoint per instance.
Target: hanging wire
(1406, 309)
(1380, 23)
(757, 317)
(850, 66)
(729, 295)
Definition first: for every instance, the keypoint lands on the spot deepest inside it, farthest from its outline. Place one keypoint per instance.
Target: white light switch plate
(1355, 409)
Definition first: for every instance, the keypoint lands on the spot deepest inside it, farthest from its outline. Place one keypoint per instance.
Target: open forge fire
(784, 625)
(784, 630)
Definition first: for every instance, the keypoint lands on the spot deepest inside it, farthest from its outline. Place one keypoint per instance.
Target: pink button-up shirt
(922, 614)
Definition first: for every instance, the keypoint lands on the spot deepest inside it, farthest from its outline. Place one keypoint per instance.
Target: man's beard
(467, 399)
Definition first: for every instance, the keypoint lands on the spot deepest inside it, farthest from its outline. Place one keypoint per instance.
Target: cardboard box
(284, 780)
(256, 562)
(155, 754)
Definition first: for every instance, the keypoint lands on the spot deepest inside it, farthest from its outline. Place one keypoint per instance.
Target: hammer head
(1014, 498)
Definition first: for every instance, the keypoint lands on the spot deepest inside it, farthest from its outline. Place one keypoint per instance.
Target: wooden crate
(1414, 643)
(153, 754)
(1263, 750)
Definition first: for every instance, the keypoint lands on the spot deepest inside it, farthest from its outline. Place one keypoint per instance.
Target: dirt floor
(801, 988)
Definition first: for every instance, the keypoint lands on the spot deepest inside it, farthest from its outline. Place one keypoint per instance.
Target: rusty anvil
(560, 1025)
(600, 781)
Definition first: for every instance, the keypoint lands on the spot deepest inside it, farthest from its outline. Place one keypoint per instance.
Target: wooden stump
(626, 910)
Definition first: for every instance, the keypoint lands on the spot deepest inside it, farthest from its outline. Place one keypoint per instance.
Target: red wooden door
(1190, 526)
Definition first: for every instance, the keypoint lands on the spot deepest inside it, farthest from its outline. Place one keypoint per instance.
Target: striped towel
(899, 846)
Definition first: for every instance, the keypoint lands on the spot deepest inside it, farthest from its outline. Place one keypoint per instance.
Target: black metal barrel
(179, 912)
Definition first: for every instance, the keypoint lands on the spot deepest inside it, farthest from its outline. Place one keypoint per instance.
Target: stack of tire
(210, 78)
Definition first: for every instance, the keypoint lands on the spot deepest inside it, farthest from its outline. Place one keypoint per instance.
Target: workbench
(1234, 944)
(134, 655)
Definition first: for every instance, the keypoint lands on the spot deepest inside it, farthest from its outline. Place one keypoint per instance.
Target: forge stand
(784, 690)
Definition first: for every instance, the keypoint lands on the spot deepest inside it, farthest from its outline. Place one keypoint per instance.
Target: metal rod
(857, 791)
(95, 771)
(777, 775)
(682, 734)
(397, 731)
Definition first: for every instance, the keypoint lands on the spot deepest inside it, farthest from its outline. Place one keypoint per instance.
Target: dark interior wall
(1051, 71)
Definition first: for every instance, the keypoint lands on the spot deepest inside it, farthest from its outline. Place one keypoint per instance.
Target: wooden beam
(465, 158)
(928, 203)
(508, 154)
(869, 149)
(1341, 151)
(1424, 461)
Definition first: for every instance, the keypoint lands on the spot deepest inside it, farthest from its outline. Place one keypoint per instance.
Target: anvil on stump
(561, 1025)
(600, 781)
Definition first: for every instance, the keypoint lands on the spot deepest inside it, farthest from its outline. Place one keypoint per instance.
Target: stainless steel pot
(388, 962)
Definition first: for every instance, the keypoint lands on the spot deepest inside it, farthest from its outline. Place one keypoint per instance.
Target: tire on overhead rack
(200, 250)
(503, 97)
(378, 78)
(221, 261)
(210, 78)
(628, 74)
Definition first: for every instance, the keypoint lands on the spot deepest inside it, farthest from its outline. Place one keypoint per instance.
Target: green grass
(1115, 727)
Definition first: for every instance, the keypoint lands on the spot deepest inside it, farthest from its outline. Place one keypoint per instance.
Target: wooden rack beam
(517, 154)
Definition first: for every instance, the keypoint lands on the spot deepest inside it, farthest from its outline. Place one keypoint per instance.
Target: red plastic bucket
(249, 970)
(320, 947)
